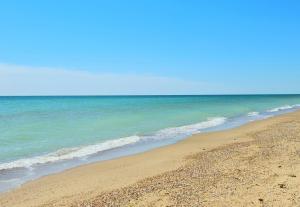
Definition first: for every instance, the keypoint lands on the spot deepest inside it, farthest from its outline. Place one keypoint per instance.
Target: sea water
(43, 135)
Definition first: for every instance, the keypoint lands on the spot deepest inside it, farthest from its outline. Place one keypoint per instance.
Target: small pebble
(282, 185)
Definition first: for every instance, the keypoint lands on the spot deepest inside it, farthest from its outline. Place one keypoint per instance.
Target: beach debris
(281, 185)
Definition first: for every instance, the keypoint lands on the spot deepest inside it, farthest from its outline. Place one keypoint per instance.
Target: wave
(69, 153)
(83, 151)
(282, 108)
(168, 133)
(191, 129)
(253, 113)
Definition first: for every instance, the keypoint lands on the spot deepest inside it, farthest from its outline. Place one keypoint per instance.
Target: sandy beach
(257, 164)
(149, 103)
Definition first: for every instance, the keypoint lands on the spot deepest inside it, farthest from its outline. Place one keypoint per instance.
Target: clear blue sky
(187, 47)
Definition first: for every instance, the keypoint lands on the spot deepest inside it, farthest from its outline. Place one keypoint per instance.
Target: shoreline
(16, 173)
(88, 181)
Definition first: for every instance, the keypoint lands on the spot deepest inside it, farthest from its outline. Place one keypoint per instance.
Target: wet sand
(257, 164)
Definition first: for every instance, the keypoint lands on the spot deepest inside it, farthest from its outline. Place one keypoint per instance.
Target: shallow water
(42, 135)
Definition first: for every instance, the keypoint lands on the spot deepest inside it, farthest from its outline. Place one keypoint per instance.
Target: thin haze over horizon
(149, 47)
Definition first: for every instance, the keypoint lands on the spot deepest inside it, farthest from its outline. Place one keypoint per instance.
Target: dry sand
(257, 164)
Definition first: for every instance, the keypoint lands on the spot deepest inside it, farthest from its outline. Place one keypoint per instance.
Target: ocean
(44, 135)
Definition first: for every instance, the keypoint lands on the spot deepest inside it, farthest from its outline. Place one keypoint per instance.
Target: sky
(136, 47)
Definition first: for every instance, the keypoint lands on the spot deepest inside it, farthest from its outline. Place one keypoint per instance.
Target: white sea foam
(78, 152)
(285, 107)
(70, 153)
(254, 113)
(83, 151)
(277, 109)
(191, 129)
(281, 108)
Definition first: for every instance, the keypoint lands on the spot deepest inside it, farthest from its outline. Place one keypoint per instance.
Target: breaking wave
(83, 151)
(285, 107)
(167, 133)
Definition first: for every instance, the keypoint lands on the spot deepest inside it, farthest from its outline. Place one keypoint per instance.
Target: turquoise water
(33, 126)
(42, 135)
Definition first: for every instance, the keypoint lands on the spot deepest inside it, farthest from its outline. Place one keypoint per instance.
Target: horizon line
(112, 95)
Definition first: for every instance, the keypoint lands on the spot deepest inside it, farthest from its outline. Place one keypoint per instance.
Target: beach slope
(257, 164)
